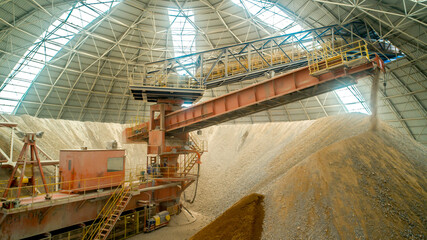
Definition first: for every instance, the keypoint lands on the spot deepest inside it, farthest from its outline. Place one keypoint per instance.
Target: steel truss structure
(88, 79)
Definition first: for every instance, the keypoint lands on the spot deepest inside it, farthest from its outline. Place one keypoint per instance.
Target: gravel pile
(324, 179)
(358, 188)
(242, 221)
(237, 160)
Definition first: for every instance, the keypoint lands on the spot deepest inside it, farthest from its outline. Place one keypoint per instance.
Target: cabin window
(115, 164)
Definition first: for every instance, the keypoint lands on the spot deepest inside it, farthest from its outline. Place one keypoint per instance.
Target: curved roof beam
(19, 80)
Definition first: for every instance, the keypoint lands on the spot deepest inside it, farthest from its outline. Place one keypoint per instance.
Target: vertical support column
(162, 127)
(151, 122)
(126, 230)
(271, 55)
(137, 221)
(144, 74)
(162, 117)
(21, 178)
(41, 170)
(293, 48)
(226, 63)
(57, 177)
(12, 131)
(33, 179)
(249, 58)
(333, 38)
(201, 70)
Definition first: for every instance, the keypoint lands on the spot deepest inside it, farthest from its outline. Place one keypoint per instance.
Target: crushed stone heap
(330, 178)
(362, 187)
(242, 221)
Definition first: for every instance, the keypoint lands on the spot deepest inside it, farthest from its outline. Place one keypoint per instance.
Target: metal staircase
(192, 160)
(108, 216)
(197, 149)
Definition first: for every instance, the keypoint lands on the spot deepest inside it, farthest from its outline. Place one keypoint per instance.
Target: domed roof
(73, 59)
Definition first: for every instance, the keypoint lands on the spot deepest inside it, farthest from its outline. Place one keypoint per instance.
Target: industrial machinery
(29, 140)
(97, 198)
(85, 170)
(157, 221)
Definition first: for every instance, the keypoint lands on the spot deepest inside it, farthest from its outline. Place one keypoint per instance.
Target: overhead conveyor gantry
(186, 77)
(329, 70)
(167, 131)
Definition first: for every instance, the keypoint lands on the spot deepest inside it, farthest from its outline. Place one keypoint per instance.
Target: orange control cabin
(85, 170)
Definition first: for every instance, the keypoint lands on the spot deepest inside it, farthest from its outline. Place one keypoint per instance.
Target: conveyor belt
(290, 87)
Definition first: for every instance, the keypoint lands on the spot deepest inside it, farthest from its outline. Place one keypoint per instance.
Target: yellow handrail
(106, 211)
(327, 57)
(105, 182)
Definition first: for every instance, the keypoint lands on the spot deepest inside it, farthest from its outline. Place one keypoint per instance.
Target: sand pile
(243, 221)
(325, 179)
(237, 159)
(329, 179)
(358, 188)
(66, 134)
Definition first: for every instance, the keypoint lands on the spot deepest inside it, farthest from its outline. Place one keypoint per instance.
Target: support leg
(33, 177)
(12, 176)
(41, 173)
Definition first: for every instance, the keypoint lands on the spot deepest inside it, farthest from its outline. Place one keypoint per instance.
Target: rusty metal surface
(83, 170)
(18, 225)
(29, 140)
(286, 88)
(8, 124)
(289, 87)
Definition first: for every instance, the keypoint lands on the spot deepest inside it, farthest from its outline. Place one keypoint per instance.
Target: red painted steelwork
(21, 223)
(286, 88)
(30, 144)
(288, 83)
(83, 170)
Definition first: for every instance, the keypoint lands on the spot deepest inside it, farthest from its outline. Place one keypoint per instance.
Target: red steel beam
(289, 87)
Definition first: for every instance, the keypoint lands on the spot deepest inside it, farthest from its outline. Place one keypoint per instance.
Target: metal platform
(249, 60)
(153, 93)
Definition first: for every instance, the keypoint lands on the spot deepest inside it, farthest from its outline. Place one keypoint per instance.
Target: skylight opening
(183, 35)
(270, 15)
(50, 42)
(353, 100)
(186, 105)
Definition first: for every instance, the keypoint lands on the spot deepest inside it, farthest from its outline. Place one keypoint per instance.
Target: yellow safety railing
(184, 167)
(160, 79)
(106, 211)
(274, 57)
(178, 171)
(58, 186)
(199, 145)
(136, 120)
(128, 225)
(86, 185)
(271, 56)
(329, 57)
